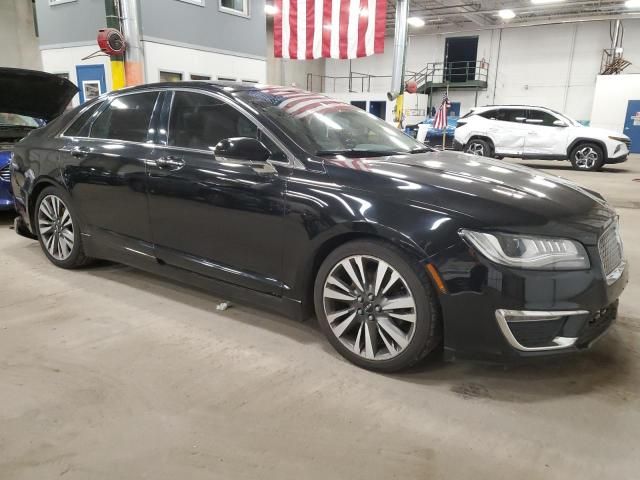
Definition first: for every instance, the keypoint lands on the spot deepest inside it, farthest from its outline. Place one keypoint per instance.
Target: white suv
(537, 132)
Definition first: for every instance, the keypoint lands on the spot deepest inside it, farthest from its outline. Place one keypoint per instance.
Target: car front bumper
(6, 197)
(620, 153)
(497, 313)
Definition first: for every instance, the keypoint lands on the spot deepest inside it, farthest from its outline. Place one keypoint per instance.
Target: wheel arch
(580, 140)
(328, 245)
(477, 136)
(38, 186)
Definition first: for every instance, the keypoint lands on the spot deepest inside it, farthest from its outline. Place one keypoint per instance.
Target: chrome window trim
(291, 162)
(559, 342)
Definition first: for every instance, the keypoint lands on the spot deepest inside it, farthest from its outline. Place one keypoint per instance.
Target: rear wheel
(376, 306)
(479, 147)
(587, 156)
(58, 230)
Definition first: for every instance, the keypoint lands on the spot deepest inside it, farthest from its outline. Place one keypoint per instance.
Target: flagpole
(446, 121)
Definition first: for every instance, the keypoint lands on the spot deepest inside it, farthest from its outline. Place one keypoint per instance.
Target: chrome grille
(5, 174)
(610, 248)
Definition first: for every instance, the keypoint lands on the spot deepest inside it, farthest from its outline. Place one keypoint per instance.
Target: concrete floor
(110, 373)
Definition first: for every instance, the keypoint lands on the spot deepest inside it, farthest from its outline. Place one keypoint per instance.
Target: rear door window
(490, 114)
(80, 128)
(515, 115)
(126, 118)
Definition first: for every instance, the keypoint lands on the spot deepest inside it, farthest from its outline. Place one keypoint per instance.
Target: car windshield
(14, 120)
(324, 126)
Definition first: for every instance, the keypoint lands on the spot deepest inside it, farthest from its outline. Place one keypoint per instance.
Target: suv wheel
(58, 230)
(478, 147)
(376, 306)
(587, 156)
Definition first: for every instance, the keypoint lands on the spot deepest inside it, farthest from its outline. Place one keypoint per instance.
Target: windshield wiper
(353, 153)
(421, 150)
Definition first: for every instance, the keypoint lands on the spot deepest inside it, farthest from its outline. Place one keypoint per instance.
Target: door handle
(79, 152)
(170, 163)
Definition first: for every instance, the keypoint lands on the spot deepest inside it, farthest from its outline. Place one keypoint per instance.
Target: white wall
(611, 100)
(18, 35)
(281, 71)
(183, 60)
(64, 60)
(553, 65)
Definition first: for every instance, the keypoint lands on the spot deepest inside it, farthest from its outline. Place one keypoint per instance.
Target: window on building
(170, 76)
(126, 118)
(194, 2)
(193, 76)
(236, 7)
(226, 79)
(249, 81)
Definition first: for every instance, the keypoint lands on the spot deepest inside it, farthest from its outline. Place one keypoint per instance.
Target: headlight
(620, 139)
(522, 251)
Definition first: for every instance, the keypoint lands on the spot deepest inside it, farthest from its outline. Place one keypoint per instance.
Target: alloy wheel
(586, 158)
(476, 149)
(56, 227)
(369, 307)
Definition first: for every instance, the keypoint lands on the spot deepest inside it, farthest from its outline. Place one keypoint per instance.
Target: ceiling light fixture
(632, 4)
(270, 9)
(506, 14)
(415, 22)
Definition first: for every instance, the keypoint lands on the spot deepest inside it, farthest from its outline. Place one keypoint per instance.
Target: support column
(399, 59)
(134, 55)
(118, 79)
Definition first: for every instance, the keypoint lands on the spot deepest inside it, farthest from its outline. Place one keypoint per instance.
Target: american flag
(306, 29)
(299, 103)
(440, 120)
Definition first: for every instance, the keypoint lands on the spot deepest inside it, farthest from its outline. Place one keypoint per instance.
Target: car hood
(600, 133)
(481, 193)
(34, 94)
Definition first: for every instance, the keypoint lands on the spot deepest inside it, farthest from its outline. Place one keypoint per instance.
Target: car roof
(215, 85)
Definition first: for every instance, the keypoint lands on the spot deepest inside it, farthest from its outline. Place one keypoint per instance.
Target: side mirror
(559, 123)
(242, 148)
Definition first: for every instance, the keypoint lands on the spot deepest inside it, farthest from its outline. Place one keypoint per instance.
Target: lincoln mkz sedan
(303, 204)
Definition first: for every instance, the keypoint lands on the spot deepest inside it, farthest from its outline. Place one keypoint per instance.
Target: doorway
(632, 125)
(460, 55)
(91, 81)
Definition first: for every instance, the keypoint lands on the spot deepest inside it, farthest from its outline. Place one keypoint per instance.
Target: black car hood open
(34, 94)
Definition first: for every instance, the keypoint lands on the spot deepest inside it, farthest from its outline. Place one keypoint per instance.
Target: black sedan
(300, 203)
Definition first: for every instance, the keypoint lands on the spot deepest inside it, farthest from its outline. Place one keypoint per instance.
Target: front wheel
(587, 156)
(478, 147)
(376, 306)
(58, 230)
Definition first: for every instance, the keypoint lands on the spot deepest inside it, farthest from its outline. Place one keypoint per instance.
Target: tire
(58, 230)
(587, 157)
(385, 343)
(479, 147)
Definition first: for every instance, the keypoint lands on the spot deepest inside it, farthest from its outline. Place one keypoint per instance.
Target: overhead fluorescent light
(632, 4)
(506, 14)
(270, 9)
(542, 2)
(415, 22)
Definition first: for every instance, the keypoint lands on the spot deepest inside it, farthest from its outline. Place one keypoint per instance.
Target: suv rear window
(517, 115)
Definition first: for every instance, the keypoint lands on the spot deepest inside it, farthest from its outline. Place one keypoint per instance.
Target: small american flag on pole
(307, 29)
(440, 120)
